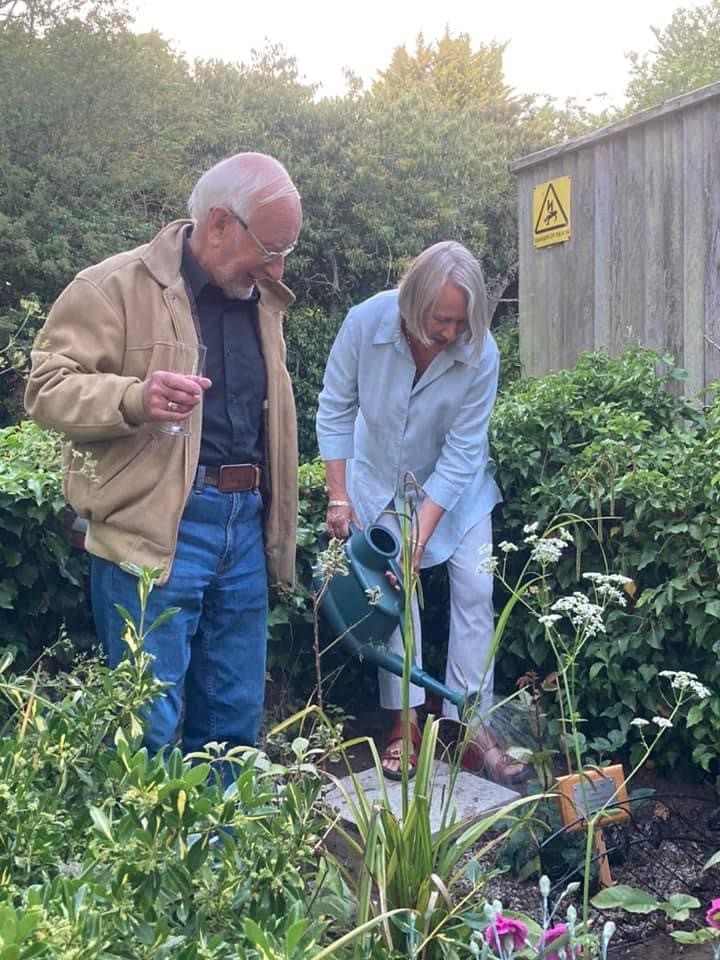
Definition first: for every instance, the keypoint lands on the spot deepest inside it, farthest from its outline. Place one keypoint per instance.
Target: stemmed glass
(188, 359)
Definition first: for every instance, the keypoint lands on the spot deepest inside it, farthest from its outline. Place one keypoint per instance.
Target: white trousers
(472, 621)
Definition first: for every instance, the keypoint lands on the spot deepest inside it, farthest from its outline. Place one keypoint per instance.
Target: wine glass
(188, 359)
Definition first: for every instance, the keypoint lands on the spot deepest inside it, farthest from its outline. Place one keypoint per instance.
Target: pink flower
(502, 928)
(712, 917)
(554, 933)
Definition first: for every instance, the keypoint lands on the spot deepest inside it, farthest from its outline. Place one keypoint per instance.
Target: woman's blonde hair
(444, 262)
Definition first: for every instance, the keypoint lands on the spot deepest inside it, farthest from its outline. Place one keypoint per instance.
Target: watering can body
(363, 609)
(363, 603)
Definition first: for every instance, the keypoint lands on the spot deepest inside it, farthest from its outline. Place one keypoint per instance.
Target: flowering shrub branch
(585, 616)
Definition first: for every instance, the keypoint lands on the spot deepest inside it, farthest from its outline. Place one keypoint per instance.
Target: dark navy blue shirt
(232, 428)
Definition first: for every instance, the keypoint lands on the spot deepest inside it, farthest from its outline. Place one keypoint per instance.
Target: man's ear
(220, 221)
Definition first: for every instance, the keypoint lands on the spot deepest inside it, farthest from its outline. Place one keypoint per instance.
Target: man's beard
(233, 288)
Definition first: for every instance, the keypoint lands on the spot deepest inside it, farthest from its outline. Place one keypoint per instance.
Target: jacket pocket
(109, 475)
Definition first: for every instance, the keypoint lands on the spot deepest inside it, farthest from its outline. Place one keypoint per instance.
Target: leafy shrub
(18, 327)
(309, 334)
(107, 852)
(609, 441)
(291, 661)
(507, 336)
(41, 578)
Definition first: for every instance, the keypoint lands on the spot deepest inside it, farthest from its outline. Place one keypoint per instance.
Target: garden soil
(687, 845)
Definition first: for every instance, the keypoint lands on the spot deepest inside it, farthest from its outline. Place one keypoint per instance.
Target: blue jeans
(213, 650)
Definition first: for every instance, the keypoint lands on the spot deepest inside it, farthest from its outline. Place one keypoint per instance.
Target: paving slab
(472, 795)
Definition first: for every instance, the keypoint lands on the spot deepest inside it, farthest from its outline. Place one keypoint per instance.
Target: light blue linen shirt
(372, 416)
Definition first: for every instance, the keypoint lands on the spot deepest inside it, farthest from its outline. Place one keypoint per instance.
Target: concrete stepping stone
(473, 797)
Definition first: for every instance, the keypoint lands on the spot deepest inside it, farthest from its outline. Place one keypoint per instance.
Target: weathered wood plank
(578, 269)
(654, 335)
(618, 244)
(694, 248)
(553, 261)
(601, 236)
(531, 307)
(634, 305)
(672, 240)
(712, 240)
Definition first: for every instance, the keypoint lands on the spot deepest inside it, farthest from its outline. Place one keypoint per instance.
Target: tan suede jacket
(111, 327)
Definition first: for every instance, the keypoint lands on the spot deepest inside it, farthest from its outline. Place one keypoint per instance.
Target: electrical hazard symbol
(551, 212)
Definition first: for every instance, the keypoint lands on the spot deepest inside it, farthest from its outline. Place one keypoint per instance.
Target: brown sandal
(394, 750)
(485, 756)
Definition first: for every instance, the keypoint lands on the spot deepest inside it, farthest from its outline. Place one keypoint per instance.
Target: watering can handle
(393, 565)
(394, 568)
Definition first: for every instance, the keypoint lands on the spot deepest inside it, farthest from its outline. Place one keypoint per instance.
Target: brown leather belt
(232, 477)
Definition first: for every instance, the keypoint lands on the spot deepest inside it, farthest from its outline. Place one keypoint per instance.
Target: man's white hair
(242, 183)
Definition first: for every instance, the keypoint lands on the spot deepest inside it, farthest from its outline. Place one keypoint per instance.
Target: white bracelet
(339, 503)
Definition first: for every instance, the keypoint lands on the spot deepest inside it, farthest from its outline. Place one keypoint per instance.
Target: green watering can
(364, 627)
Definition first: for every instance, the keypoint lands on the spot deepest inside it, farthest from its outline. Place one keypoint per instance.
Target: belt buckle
(238, 477)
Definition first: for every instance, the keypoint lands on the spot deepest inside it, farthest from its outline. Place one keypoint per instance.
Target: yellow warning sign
(551, 212)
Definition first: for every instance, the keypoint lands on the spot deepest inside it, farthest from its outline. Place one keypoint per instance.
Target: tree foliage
(103, 133)
(450, 71)
(686, 56)
(36, 16)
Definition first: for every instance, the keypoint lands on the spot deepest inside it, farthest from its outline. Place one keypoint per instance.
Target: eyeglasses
(267, 255)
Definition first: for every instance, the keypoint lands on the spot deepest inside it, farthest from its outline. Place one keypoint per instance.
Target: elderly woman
(409, 387)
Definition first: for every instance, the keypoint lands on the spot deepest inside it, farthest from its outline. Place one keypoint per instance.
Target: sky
(567, 48)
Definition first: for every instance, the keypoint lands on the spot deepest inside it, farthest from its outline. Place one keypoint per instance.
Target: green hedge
(608, 441)
(611, 442)
(41, 577)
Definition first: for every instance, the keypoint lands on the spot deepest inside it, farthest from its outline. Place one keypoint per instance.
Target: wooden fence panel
(712, 240)
(643, 261)
(694, 250)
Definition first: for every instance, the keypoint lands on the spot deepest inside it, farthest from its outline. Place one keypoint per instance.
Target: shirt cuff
(337, 448)
(444, 494)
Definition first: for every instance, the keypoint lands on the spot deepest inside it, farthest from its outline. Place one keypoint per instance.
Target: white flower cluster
(546, 549)
(639, 722)
(548, 619)
(507, 547)
(488, 563)
(605, 589)
(684, 680)
(662, 722)
(583, 613)
(610, 578)
(606, 586)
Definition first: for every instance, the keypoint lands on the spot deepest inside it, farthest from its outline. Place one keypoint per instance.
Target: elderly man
(213, 502)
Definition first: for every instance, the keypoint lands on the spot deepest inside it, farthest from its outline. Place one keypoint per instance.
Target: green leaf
(679, 905)
(197, 774)
(101, 822)
(623, 897)
(712, 607)
(163, 618)
(696, 936)
(695, 714)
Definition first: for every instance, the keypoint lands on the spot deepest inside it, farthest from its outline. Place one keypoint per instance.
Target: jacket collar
(163, 258)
